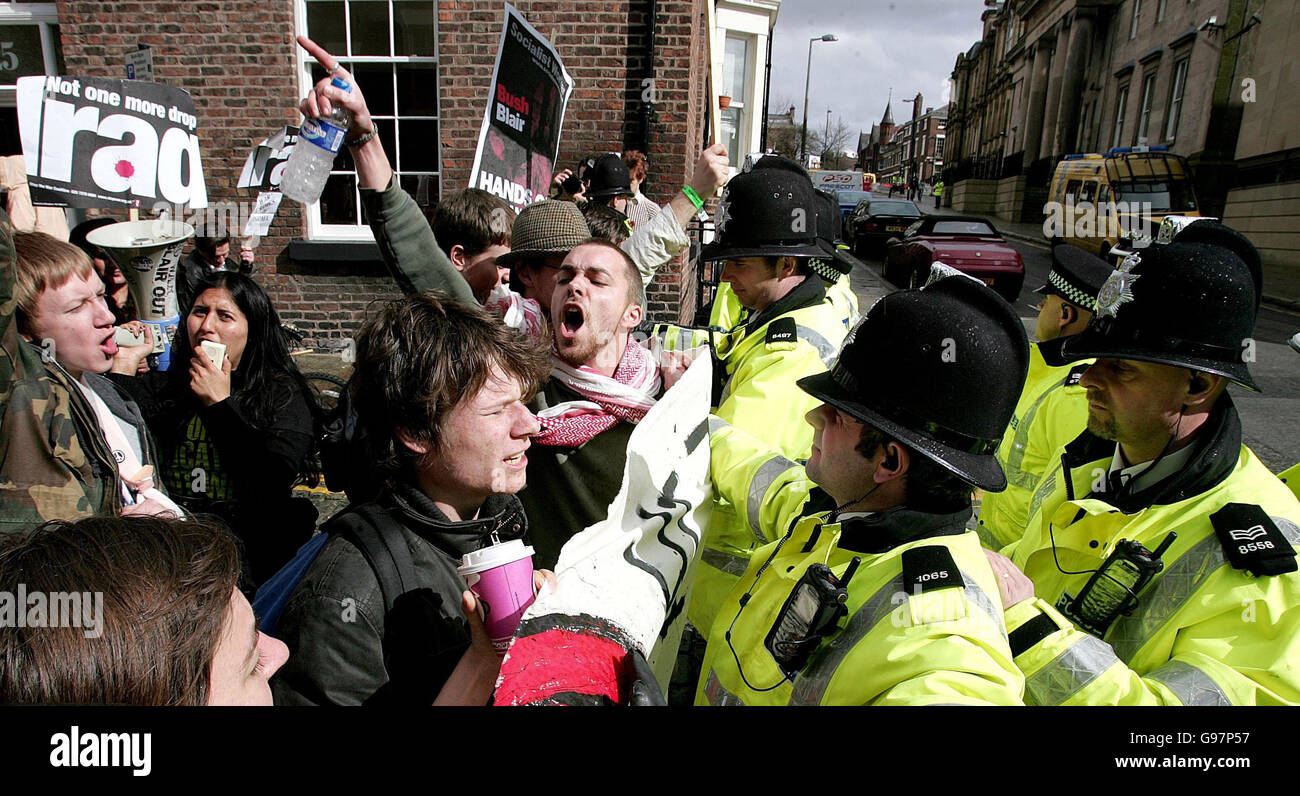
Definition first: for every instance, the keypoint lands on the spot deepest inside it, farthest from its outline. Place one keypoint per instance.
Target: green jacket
(54, 461)
(1052, 411)
(924, 622)
(1204, 631)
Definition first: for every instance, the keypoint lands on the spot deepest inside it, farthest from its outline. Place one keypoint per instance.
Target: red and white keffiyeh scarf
(628, 395)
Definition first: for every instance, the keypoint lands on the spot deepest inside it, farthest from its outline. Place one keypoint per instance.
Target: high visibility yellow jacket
(726, 311)
(1207, 630)
(799, 335)
(1292, 479)
(1053, 410)
(924, 621)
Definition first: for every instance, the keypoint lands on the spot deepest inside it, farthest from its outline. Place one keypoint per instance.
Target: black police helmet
(940, 369)
(770, 211)
(1189, 305)
(1076, 276)
(1211, 231)
(608, 178)
(830, 234)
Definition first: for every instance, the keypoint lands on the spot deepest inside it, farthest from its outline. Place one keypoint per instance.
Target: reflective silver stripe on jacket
(1167, 593)
(762, 481)
(1192, 686)
(1044, 489)
(717, 695)
(815, 339)
(726, 562)
(810, 685)
(977, 596)
(1080, 664)
(1016, 456)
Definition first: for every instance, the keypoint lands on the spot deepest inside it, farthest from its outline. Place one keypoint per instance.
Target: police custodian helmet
(939, 369)
(769, 211)
(1186, 304)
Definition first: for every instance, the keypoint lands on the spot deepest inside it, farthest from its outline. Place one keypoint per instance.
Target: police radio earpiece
(1199, 384)
(891, 461)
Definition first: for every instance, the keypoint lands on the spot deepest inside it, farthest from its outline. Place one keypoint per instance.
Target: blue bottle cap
(339, 82)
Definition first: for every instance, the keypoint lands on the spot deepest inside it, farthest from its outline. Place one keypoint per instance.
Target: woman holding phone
(234, 419)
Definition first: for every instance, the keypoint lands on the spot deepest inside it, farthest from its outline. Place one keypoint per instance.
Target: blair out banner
(520, 137)
(102, 142)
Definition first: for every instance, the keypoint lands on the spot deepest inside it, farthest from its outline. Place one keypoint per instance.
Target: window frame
(1121, 100)
(317, 230)
(45, 16)
(1146, 105)
(1177, 93)
(1136, 21)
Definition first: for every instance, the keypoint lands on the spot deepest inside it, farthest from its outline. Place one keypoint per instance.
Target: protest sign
(259, 222)
(265, 164)
(520, 137)
(103, 142)
(623, 584)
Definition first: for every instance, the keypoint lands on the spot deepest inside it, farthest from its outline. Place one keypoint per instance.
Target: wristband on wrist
(363, 139)
(693, 196)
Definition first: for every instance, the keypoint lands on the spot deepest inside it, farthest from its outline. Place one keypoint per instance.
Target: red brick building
(639, 67)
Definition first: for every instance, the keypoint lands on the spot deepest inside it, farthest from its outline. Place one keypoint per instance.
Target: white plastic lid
(495, 556)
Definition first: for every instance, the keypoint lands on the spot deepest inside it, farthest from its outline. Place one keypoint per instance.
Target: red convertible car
(969, 244)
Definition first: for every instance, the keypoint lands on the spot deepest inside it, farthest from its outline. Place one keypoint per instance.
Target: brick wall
(604, 47)
(236, 58)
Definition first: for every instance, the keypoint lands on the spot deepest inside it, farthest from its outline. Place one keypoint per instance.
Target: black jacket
(216, 460)
(344, 650)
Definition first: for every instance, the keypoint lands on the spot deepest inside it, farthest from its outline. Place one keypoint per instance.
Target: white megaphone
(148, 254)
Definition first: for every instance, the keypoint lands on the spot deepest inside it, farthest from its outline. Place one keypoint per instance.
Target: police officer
(833, 268)
(874, 592)
(1159, 552)
(1053, 409)
(767, 226)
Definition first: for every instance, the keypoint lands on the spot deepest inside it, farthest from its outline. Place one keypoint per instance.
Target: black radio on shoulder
(811, 612)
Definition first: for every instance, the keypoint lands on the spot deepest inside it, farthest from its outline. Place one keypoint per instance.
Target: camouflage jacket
(54, 462)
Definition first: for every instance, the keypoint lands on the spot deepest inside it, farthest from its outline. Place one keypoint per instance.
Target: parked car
(970, 244)
(848, 200)
(875, 221)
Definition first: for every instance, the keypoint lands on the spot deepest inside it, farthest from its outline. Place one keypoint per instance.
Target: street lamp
(803, 144)
(826, 139)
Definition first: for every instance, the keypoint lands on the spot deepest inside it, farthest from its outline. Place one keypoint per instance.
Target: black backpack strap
(383, 544)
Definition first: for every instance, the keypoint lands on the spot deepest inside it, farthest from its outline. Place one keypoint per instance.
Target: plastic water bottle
(319, 141)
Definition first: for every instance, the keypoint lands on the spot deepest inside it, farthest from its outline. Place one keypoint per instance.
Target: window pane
(20, 52)
(376, 82)
(733, 68)
(369, 27)
(413, 28)
(325, 26)
(338, 203)
(422, 187)
(417, 89)
(419, 150)
(387, 133)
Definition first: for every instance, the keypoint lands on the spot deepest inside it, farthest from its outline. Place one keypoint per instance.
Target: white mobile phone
(215, 351)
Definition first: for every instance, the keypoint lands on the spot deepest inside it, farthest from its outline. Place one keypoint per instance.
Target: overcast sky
(910, 45)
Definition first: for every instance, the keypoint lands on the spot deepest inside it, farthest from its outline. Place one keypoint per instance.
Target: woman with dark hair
(234, 419)
(149, 614)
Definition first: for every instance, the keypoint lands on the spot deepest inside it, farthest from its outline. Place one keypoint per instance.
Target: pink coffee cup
(501, 577)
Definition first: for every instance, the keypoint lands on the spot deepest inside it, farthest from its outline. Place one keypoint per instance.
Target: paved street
(1271, 418)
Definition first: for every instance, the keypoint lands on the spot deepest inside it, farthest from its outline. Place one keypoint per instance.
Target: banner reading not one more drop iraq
(520, 137)
(102, 142)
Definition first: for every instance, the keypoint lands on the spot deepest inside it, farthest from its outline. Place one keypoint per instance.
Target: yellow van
(1109, 204)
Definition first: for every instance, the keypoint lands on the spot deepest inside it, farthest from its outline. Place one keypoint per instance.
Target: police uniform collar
(810, 292)
(882, 531)
(1217, 448)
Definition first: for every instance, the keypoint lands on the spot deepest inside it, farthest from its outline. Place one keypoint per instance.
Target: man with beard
(1158, 566)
